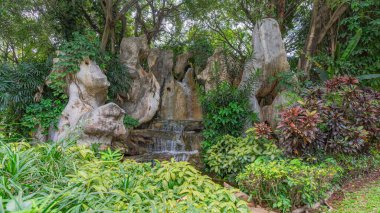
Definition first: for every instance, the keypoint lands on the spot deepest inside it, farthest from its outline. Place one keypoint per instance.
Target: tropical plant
(263, 130)
(298, 129)
(19, 84)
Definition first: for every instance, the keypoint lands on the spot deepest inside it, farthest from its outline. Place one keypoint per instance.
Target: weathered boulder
(182, 65)
(269, 58)
(102, 125)
(143, 99)
(87, 93)
(218, 69)
(180, 100)
(160, 63)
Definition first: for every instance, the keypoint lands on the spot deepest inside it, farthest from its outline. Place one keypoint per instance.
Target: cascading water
(174, 147)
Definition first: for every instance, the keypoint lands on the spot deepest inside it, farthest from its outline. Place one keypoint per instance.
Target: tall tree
(324, 16)
(113, 13)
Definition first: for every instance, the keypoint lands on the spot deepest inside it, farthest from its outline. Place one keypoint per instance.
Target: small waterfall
(174, 147)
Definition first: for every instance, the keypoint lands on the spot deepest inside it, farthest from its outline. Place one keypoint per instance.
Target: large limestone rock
(102, 125)
(269, 58)
(180, 100)
(84, 115)
(182, 65)
(160, 63)
(217, 70)
(142, 101)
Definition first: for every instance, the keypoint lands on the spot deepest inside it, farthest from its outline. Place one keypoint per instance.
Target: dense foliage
(43, 115)
(327, 136)
(226, 111)
(19, 84)
(338, 118)
(287, 183)
(70, 178)
(229, 155)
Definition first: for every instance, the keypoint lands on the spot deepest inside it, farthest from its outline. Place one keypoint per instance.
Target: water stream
(174, 147)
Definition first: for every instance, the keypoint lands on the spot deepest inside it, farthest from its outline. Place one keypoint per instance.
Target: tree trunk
(321, 23)
(310, 44)
(108, 13)
(281, 14)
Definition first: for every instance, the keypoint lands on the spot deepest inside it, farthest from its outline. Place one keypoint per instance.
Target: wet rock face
(143, 99)
(269, 58)
(84, 115)
(160, 63)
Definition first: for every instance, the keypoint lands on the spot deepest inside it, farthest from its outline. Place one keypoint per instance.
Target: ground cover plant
(69, 178)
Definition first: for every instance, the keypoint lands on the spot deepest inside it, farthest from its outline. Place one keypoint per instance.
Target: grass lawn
(366, 200)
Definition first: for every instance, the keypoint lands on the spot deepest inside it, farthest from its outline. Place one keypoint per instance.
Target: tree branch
(336, 15)
(90, 21)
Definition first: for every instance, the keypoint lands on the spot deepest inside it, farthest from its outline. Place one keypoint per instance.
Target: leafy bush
(298, 129)
(229, 155)
(226, 112)
(43, 114)
(263, 130)
(287, 183)
(357, 165)
(57, 178)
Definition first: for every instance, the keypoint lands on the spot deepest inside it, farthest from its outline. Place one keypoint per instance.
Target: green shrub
(130, 122)
(226, 112)
(229, 155)
(67, 178)
(287, 183)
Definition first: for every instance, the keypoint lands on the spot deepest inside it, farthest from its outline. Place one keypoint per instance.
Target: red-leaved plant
(298, 129)
(263, 130)
(338, 82)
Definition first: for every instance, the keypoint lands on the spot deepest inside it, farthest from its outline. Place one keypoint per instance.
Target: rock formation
(85, 115)
(160, 63)
(180, 100)
(182, 65)
(219, 67)
(269, 58)
(143, 99)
